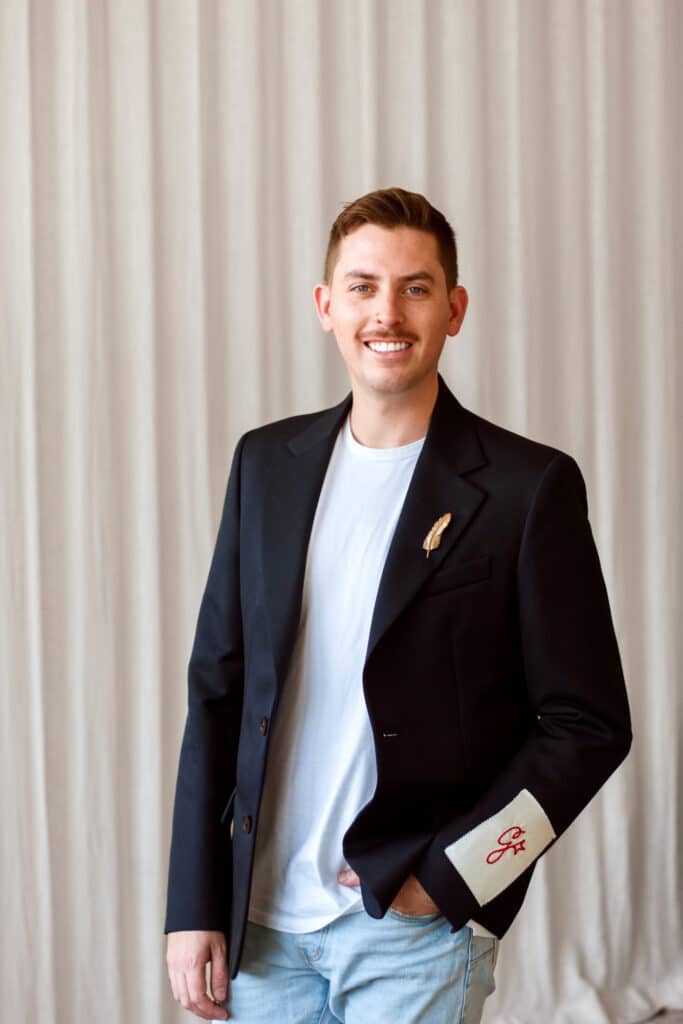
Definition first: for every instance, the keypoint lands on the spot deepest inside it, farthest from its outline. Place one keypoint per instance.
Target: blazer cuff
(464, 874)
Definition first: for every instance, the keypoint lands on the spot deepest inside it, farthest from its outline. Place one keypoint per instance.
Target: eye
(357, 286)
(417, 288)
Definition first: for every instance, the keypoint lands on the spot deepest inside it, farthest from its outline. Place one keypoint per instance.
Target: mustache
(387, 337)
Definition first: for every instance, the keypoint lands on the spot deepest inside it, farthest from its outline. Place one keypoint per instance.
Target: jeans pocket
(415, 918)
(483, 946)
(481, 982)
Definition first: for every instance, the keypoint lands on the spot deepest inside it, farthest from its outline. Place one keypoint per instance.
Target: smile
(388, 346)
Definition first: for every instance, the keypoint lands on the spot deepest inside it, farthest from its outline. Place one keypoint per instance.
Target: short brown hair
(392, 208)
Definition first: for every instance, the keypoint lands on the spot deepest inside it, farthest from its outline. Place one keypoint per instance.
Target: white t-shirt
(321, 763)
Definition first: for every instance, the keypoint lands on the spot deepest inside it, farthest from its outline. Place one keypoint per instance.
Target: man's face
(389, 308)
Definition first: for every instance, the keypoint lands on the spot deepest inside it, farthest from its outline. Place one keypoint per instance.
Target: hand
(187, 955)
(411, 898)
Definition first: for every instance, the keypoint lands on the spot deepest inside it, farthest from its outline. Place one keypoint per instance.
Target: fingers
(190, 992)
(348, 877)
(187, 957)
(219, 972)
(200, 1003)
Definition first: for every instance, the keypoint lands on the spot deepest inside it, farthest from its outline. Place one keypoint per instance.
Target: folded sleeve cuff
(495, 853)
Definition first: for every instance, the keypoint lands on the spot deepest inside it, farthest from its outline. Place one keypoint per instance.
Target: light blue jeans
(360, 970)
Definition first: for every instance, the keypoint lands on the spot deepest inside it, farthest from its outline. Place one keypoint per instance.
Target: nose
(388, 310)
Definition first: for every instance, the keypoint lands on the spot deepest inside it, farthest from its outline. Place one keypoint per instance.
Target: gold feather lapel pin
(433, 538)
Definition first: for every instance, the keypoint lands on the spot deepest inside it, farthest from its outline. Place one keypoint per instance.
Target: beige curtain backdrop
(169, 170)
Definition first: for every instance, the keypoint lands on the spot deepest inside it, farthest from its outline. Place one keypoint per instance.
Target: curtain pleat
(169, 171)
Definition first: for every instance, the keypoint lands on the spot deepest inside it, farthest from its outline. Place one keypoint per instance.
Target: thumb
(219, 972)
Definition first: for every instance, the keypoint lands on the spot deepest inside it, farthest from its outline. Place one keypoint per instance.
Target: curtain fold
(169, 172)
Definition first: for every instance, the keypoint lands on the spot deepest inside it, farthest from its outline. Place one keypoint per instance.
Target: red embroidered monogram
(507, 840)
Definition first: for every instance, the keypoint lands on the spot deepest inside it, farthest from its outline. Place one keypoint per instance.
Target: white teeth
(388, 346)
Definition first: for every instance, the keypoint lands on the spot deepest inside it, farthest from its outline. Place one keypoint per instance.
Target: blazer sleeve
(199, 878)
(576, 688)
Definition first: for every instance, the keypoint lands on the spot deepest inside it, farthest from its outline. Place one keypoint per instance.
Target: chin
(396, 384)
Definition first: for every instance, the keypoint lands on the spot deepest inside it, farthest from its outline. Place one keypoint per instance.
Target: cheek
(348, 322)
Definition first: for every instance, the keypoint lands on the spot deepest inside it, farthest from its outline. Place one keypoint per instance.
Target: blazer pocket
(458, 575)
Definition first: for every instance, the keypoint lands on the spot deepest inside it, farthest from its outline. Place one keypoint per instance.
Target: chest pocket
(453, 576)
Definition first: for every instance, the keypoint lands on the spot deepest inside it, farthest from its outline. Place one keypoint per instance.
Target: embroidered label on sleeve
(497, 851)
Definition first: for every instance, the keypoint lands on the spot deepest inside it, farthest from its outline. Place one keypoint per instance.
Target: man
(405, 683)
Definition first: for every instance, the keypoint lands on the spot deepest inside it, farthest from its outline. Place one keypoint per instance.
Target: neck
(389, 421)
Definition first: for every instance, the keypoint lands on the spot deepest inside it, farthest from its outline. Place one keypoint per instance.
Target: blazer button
(246, 823)
(263, 726)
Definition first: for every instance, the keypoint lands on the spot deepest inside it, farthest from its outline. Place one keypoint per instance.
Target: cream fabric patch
(497, 851)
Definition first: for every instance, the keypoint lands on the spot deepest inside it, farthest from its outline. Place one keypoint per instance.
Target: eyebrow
(420, 275)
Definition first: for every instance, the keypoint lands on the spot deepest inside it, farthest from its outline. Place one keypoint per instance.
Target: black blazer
(492, 675)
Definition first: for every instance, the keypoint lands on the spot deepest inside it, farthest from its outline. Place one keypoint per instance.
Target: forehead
(397, 251)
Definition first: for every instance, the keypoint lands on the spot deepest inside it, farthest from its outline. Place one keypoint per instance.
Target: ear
(458, 299)
(321, 297)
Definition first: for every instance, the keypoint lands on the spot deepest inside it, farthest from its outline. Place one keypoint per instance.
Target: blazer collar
(438, 485)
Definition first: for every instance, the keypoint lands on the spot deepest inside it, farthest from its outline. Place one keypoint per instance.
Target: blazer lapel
(451, 449)
(293, 492)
